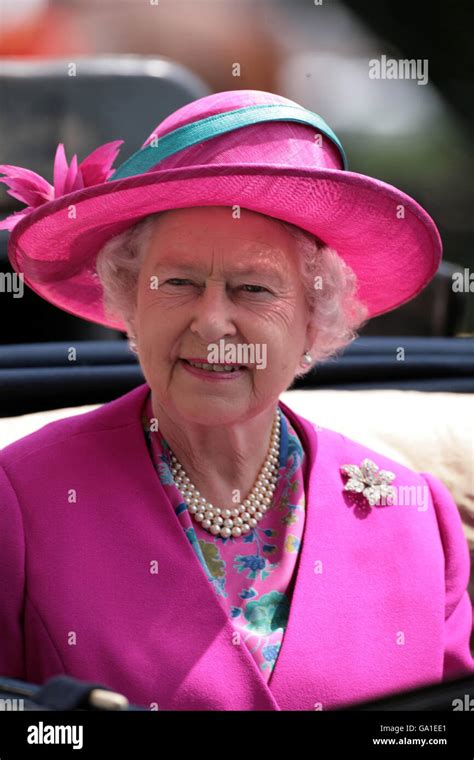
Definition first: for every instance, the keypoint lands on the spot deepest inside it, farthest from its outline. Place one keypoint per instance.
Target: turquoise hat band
(191, 134)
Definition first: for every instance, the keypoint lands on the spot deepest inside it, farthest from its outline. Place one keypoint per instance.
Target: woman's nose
(213, 313)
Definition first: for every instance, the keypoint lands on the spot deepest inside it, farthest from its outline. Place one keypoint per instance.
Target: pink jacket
(379, 605)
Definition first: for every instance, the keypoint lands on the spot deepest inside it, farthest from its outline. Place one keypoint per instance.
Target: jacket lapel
(210, 671)
(297, 672)
(203, 635)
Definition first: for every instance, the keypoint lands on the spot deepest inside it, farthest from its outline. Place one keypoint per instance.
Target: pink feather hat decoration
(33, 190)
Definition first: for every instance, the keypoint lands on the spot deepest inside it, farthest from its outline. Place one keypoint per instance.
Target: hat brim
(384, 235)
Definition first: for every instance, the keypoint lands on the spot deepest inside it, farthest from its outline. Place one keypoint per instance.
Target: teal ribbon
(205, 129)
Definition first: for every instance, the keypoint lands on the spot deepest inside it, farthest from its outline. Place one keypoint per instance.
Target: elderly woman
(195, 544)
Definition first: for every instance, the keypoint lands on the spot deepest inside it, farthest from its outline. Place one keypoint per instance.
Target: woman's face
(211, 280)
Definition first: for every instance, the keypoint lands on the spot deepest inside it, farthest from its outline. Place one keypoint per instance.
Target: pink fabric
(251, 576)
(99, 582)
(275, 168)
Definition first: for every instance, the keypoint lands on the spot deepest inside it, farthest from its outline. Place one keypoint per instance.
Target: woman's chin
(209, 410)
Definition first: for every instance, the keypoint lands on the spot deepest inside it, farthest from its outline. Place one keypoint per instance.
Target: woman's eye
(259, 288)
(254, 288)
(174, 280)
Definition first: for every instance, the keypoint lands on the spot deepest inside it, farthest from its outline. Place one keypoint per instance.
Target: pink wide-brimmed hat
(246, 148)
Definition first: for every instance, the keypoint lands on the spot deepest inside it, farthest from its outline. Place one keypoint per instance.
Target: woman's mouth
(213, 371)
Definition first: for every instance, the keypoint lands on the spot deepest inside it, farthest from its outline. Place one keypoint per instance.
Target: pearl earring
(307, 359)
(133, 346)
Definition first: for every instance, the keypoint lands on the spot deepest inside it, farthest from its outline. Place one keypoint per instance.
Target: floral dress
(252, 575)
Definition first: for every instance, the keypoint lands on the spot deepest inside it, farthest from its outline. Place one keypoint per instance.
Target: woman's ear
(131, 335)
(130, 327)
(311, 333)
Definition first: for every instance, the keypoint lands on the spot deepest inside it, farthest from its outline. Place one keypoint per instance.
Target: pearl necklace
(239, 520)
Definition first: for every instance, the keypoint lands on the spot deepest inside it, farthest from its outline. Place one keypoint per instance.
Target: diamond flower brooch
(372, 483)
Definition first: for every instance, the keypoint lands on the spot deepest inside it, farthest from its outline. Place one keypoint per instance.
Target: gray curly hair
(336, 311)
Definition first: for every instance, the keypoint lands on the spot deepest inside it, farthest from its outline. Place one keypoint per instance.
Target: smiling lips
(203, 365)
